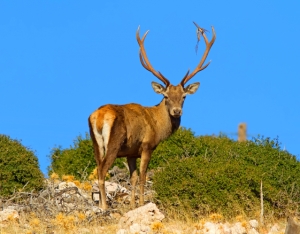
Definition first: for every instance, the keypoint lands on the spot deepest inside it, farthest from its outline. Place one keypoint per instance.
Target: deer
(134, 131)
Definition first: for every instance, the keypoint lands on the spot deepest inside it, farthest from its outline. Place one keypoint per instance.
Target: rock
(139, 228)
(253, 223)
(145, 229)
(211, 228)
(110, 187)
(144, 216)
(96, 196)
(122, 231)
(274, 229)
(97, 209)
(64, 185)
(135, 228)
(237, 228)
(114, 188)
(8, 215)
(253, 231)
(226, 229)
(215, 228)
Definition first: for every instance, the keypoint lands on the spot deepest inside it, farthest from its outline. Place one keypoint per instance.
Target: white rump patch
(106, 134)
(99, 139)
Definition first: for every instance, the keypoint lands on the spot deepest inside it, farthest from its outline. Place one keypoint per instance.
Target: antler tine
(200, 66)
(144, 59)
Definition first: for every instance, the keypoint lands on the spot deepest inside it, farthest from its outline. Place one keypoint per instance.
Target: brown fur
(135, 133)
(292, 227)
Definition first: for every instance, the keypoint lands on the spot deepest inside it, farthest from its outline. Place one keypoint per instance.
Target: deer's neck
(165, 124)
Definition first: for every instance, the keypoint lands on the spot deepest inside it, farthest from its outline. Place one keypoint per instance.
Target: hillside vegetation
(19, 169)
(204, 175)
(198, 176)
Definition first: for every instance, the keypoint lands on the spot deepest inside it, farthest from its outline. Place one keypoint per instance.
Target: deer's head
(174, 96)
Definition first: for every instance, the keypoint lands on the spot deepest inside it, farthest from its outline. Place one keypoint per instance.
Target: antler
(144, 60)
(200, 66)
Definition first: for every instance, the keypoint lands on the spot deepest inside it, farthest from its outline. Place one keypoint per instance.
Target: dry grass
(78, 223)
(62, 224)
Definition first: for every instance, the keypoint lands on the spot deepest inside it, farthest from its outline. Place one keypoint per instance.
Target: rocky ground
(71, 207)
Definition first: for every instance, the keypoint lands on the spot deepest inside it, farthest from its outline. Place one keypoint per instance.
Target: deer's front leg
(133, 179)
(145, 158)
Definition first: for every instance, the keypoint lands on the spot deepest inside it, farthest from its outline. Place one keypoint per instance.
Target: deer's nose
(177, 111)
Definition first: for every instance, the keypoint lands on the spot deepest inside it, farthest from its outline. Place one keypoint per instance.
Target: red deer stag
(134, 131)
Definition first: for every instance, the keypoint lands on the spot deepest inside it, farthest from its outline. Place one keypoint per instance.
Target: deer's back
(132, 123)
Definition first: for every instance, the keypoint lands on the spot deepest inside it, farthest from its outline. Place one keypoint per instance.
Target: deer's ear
(158, 88)
(192, 88)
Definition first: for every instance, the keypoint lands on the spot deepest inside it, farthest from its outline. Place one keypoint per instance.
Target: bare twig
(261, 203)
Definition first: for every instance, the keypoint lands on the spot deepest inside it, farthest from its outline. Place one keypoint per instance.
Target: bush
(19, 167)
(204, 175)
(181, 143)
(78, 160)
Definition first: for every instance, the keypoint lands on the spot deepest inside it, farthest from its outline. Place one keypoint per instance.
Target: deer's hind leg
(111, 152)
(98, 145)
(101, 123)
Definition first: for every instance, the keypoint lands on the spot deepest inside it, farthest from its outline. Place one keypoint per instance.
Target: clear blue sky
(61, 60)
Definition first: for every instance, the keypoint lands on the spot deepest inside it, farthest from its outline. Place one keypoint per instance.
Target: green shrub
(78, 160)
(18, 167)
(204, 175)
(182, 143)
